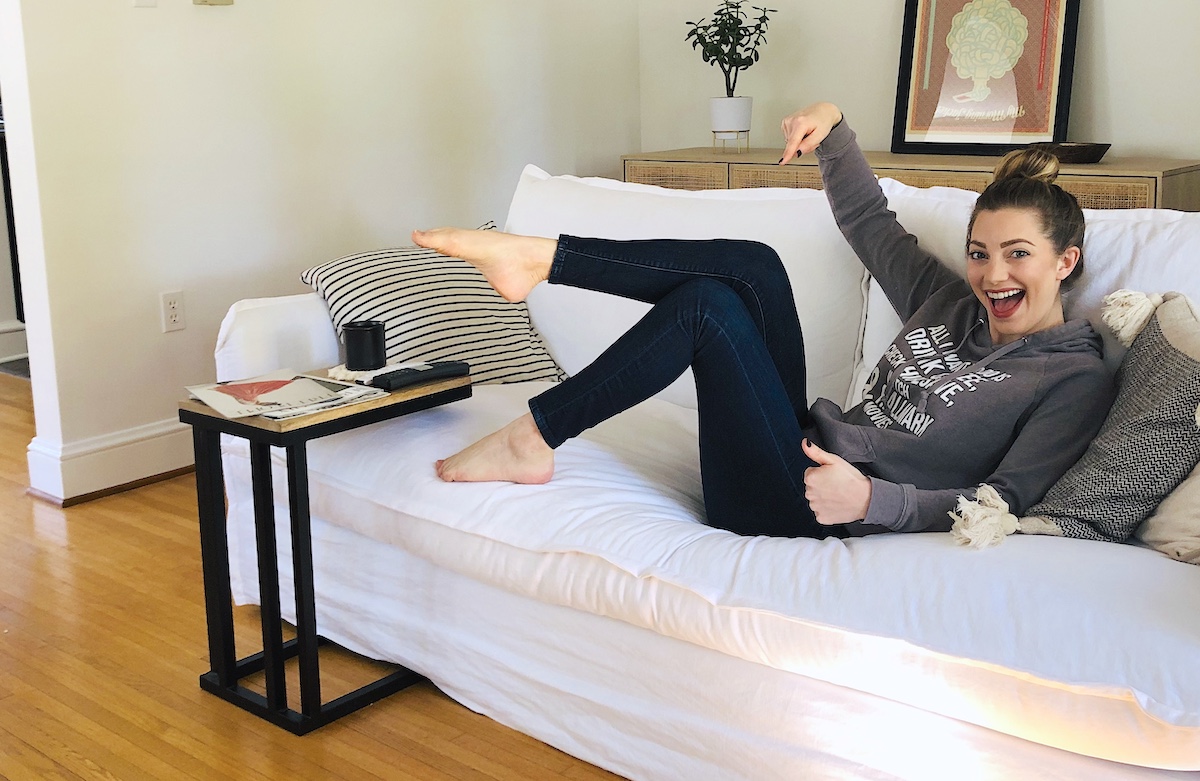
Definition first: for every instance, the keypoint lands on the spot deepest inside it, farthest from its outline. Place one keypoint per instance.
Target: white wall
(1135, 72)
(221, 150)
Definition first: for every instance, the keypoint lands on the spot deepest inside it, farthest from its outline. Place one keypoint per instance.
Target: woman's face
(1016, 273)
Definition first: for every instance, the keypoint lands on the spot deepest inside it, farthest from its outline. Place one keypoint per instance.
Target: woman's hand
(836, 491)
(807, 128)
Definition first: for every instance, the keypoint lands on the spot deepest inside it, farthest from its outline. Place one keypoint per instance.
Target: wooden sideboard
(1116, 183)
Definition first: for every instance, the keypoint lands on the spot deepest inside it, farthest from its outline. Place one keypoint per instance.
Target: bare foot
(512, 264)
(516, 453)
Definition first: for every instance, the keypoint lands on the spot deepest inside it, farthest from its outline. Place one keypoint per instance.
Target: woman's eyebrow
(1003, 244)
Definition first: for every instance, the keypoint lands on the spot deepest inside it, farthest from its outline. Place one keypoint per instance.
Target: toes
(437, 239)
(420, 238)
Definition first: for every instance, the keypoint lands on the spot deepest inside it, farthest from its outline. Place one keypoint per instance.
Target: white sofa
(597, 613)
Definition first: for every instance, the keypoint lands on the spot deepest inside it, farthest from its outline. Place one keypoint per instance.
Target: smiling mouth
(1004, 303)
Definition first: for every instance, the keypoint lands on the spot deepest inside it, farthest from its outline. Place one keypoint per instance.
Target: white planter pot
(730, 116)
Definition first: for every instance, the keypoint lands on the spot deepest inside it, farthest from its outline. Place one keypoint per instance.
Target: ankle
(527, 438)
(539, 256)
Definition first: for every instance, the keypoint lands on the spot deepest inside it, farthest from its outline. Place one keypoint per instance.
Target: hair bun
(1028, 164)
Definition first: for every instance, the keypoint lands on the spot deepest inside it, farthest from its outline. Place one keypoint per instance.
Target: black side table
(292, 435)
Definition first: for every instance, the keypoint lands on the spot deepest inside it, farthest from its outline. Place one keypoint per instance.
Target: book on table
(281, 394)
(287, 393)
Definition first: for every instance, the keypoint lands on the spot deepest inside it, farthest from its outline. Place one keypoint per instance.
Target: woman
(986, 383)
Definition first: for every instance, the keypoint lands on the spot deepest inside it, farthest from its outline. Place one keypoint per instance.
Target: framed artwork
(984, 76)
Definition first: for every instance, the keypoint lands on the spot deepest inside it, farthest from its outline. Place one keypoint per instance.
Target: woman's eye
(977, 255)
(1020, 253)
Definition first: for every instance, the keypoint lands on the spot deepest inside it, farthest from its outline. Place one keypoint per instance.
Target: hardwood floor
(102, 641)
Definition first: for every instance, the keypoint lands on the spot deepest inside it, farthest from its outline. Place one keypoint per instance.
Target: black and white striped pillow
(435, 309)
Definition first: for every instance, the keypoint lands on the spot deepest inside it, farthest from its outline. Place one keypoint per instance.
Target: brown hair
(1024, 179)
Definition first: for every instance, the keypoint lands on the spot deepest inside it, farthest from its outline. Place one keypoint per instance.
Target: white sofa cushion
(1037, 638)
(825, 274)
(1149, 250)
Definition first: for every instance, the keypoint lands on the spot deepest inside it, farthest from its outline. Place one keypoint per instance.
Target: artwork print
(984, 76)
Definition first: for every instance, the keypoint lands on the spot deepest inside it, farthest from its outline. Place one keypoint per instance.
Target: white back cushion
(1150, 250)
(578, 325)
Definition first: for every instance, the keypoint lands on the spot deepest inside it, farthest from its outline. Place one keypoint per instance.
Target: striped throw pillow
(435, 308)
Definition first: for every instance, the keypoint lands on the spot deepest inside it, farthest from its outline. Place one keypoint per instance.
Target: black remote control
(402, 378)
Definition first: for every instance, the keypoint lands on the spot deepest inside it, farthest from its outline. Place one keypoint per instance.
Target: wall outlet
(171, 311)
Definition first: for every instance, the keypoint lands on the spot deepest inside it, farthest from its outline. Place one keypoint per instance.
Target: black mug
(365, 347)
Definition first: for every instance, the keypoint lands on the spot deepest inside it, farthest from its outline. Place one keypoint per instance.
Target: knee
(758, 263)
(709, 298)
(765, 260)
(708, 292)
(762, 254)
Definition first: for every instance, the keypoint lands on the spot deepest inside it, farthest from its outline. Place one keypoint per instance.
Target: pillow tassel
(983, 522)
(1126, 312)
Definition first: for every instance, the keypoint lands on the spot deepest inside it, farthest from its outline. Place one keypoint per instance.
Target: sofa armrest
(261, 335)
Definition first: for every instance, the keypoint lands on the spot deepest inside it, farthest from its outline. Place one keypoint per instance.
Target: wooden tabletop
(315, 418)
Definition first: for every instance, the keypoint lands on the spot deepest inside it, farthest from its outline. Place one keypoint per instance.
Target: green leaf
(730, 41)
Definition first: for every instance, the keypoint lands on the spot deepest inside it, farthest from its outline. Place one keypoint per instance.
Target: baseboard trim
(116, 489)
(64, 472)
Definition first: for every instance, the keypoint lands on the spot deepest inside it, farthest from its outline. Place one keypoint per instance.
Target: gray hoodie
(945, 409)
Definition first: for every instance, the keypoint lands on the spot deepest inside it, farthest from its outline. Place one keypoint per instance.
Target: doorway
(14, 352)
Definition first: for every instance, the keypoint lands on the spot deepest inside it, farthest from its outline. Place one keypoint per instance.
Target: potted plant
(730, 41)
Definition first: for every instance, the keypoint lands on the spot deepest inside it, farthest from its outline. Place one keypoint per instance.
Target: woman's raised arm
(906, 272)
(806, 129)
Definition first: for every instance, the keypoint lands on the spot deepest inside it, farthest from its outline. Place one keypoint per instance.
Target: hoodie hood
(1073, 336)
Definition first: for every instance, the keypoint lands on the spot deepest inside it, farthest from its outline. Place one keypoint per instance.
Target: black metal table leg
(214, 554)
(268, 575)
(302, 568)
(227, 671)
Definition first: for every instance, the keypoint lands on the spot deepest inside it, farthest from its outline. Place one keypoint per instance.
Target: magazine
(281, 394)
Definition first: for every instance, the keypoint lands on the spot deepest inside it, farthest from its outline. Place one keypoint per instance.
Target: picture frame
(984, 77)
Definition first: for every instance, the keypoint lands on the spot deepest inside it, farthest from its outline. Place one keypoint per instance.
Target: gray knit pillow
(1149, 442)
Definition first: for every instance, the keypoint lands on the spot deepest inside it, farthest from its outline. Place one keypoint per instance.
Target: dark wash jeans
(725, 308)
